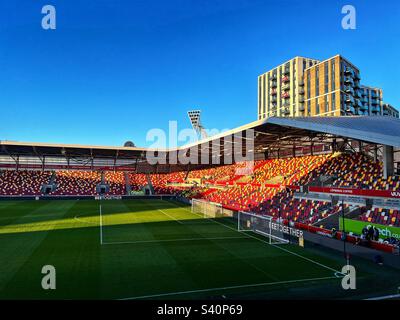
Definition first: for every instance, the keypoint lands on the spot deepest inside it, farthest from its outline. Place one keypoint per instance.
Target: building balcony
(301, 99)
(349, 90)
(350, 110)
(301, 107)
(374, 102)
(349, 81)
(273, 77)
(349, 72)
(286, 70)
(349, 99)
(359, 103)
(286, 111)
(286, 86)
(357, 85)
(285, 95)
(285, 79)
(301, 91)
(274, 92)
(363, 108)
(375, 110)
(273, 84)
(301, 83)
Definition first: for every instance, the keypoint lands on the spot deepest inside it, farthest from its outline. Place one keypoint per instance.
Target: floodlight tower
(194, 116)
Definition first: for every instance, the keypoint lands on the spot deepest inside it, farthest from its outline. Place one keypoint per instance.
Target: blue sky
(112, 70)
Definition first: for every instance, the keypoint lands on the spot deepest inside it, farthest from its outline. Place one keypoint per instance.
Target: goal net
(209, 209)
(263, 225)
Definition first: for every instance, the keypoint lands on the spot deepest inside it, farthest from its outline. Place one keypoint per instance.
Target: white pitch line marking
(275, 246)
(162, 211)
(227, 288)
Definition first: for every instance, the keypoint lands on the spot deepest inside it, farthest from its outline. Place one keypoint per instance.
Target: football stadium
(279, 226)
(299, 199)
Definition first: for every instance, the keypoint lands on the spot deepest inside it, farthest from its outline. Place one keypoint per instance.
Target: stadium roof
(270, 134)
(380, 129)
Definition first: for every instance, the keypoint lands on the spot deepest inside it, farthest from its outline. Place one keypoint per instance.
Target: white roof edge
(340, 131)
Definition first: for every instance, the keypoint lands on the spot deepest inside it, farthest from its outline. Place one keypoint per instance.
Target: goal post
(262, 225)
(209, 209)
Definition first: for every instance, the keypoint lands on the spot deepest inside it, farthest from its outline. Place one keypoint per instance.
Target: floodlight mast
(195, 116)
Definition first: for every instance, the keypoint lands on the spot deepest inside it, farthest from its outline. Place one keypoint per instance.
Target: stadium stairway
(187, 174)
(128, 187)
(331, 221)
(50, 186)
(150, 184)
(52, 178)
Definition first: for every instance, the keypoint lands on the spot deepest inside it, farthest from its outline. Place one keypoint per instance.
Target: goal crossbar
(262, 225)
(209, 209)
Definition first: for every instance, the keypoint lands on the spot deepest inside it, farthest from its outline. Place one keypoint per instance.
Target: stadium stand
(352, 170)
(388, 217)
(160, 181)
(116, 182)
(137, 181)
(283, 205)
(22, 182)
(76, 182)
(243, 186)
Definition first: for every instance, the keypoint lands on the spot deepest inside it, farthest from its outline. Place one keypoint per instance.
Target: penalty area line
(162, 211)
(275, 246)
(228, 288)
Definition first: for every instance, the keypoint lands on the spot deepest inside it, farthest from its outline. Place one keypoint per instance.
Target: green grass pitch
(155, 249)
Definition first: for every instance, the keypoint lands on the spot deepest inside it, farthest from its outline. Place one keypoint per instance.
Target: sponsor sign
(357, 192)
(356, 227)
(286, 229)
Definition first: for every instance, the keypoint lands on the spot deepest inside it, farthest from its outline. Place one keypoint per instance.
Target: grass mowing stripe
(275, 246)
(20, 250)
(234, 254)
(101, 225)
(188, 225)
(228, 288)
(171, 240)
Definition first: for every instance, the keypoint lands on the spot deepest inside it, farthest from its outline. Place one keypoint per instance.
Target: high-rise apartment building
(372, 100)
(281, 90)
(308, 87)
(389, 110)
(332, 88)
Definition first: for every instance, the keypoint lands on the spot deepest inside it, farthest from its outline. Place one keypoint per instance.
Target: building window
(326, 76)
(259, 94)
(317, 82)
(266, 101)
(327, 104)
